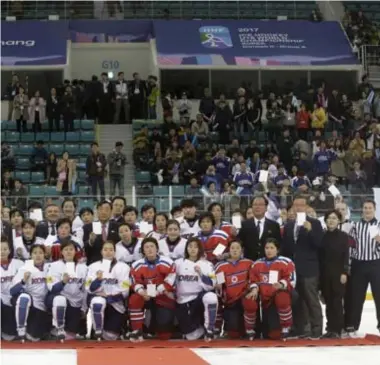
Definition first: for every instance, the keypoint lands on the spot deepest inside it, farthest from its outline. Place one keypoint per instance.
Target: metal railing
(369, 56)
(157, 9)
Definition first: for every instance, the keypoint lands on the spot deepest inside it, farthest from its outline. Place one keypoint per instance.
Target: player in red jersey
(216, 209)
(239, 307)
(273, 280)
(153, 279)
(211, 237)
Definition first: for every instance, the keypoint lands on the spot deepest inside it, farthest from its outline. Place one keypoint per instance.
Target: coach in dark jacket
(255, 231)
(302, 245)
(334, 270)
(109, 231)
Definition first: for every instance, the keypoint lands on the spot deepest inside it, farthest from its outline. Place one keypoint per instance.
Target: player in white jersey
(173, 245)
(190, 224)
(195, 281)
(160, 223)
(9, 268)
(128, 249)
(28, 238)
(29, 292)
(108, 287)
(66, 283)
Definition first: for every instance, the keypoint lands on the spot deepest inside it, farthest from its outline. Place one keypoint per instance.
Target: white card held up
(301, 219)
(97, 227)
(219, 249)
(334, 191)
(373, 231)
(36, 215)
(236, 221)
(18, 242)
(273, 277)
(29, 266)
(151, 290)
(263, 177)
(70, 269)
(145, 227)
(220, 278)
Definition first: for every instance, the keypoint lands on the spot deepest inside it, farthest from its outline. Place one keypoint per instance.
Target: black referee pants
(362, 274)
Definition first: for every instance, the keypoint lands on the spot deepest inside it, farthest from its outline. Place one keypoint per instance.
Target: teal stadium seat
(25, 150)
(83, 190)
(176, 202)
(11, 126)
(72, 149)
(77, 125)
(142, 177)
(57, 149)
(12, 137)
(72, 137)
(161, 191)
(4, 125)
(51, 191)
(178, 191)
(23, 164)
(43, 136)
(162, 204)
(87, 125)
(37, 190)
(142, 201)
(82, 176)
(24, 176)
(3, 135)
(27, 137)
(57, 137)
(85, 203)
(87, 136)
(37, 177)
(45, 126)
(85, 149)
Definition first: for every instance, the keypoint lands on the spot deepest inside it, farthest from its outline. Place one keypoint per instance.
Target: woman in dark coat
(334, 270)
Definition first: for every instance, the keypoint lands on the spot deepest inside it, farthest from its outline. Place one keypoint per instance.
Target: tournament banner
(252, 43)
(110, 31)
(33, 43)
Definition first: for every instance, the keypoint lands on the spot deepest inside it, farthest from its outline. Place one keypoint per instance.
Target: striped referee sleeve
(366, 249)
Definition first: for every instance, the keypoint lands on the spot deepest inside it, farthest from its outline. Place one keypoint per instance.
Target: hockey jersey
(211, 241)
(158, 236)
(36, 285)
(266, 272)
(8, 272)
(161, 273)
(244, 181)
(128, 253)
(189, 284)
(74, 289)
(226, 228)
(237, 278)
(174, 250)
(25, 247)
(115, 283)
(189, 228)
(54, 242)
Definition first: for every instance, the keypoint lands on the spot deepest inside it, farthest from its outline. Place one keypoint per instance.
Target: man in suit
(301, 243)
(255, 231)
(109, 231)
(48, 227)
(118, 205)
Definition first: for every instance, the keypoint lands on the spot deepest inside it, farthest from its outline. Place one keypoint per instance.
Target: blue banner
(33, 43)
(252, 43)
(110, 31)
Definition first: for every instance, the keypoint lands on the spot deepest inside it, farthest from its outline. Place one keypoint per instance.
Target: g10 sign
(110, 65)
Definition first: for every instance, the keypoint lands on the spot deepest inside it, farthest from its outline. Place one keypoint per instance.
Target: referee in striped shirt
(365, 265)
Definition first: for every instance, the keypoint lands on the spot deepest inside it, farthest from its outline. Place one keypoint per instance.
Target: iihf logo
(215, 37)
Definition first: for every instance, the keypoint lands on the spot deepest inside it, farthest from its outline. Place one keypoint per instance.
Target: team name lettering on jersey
(189, 278)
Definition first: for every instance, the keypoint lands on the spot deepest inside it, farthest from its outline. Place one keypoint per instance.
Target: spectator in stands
(68, 110)
(105, 95)
(7, 183)
(116, 162)
(207, 105)
(39, 157)
(37, 111)
(122, 99)
(67, 174)
(19, 194)
(275, 120)
(141, 156)
(138, 97)
(92, 98)
(52, 171)
(318, 117)
(357, 183)
(96, 170)
(240, 116)
(303, 122)
(11, 91)
(223, 119)
(167, 106)
(199, 129)
(20, 112)
(315, 16)
(79, 94)
(184, 107)
(53, 110)
(153, 94)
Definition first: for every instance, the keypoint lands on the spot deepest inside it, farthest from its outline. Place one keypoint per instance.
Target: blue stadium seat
(51, 191)
(87, 124)
(57, 149)
(72, 149)
(161, 191)
(12, 137)
(142, 177)
(178, 191)
(43, 136)
(37, 177)
(77, 125)
(23, 164)
(24, 176)
(87, 136)
(27, 137)
(25, 150)
(162, 204)
(37, 190)
(72, 137)
(57, 137)
(85, 149)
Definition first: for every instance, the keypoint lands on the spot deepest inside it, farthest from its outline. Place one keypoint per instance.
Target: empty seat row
(38, 177)
(14, 137)
(74, 150)
(78, 125)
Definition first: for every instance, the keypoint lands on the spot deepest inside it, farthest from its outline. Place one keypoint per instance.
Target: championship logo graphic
(215, 37)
